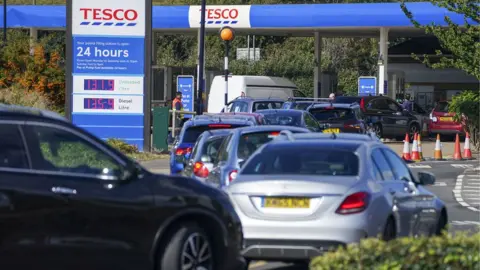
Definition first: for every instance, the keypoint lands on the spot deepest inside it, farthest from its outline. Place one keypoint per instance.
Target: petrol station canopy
(361, 20)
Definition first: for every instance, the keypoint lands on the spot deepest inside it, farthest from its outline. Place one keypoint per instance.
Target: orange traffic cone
(457, 154)
(437, 155)
(406, 148)
(467, 153)
(415, 154)
(419, 141)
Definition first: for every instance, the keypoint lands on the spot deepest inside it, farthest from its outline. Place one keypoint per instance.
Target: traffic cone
(437, 155)
(467, 154)
(406, 148)
(419, 141)
(457, 155)
(415, 154)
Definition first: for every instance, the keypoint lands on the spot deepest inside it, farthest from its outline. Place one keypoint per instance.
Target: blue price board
(185, 85)
(367, 86)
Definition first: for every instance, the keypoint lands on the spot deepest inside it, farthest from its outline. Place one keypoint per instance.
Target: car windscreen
(266, 105)
(303, 160)
(328, 114)
(250, 142)
(301, 105)
(192, 133)
(211, 146)
(442, 107)
(284, 119)
(347, 100)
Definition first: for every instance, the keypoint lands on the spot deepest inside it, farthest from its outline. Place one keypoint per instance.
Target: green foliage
(466, 107)
(16, 95)
(123, 147)
(462, 42)
(436, 253)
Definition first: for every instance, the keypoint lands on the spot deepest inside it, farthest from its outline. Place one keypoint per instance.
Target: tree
(462, 42)
(466, 108)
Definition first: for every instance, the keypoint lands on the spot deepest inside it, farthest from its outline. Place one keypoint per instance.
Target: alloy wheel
(197, 253)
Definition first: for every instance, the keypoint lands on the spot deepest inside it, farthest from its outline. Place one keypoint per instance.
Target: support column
(317, 72)
(383, 62)
(33, 39)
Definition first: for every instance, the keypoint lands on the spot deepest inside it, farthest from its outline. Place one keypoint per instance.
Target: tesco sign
(108, 14)
(219, 13)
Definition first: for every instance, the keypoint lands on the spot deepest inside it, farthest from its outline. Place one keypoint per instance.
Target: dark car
(237, 148)
(299, 103)
(250, 105)
(68, 200)
(338, 117)
(192, 129)
(203, 155)
(294, 118)
(258, 118)
(387, 117)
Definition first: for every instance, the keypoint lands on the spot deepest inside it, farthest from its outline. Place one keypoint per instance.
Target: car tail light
(200, 170)
(220, 126)
(232, 175)
(362, 105)
(183, 151)
(354, 203)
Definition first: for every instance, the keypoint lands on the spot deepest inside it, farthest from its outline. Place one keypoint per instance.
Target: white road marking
(458, 191)
(419, 166)
(466, 222)
(462, 166)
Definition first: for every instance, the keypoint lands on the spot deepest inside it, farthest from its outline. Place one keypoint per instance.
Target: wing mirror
(130, 172)
(426, 178)
(241, 162)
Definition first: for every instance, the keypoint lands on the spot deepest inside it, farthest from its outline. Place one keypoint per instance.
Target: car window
(379, 104)
(301, 105)
(392, 106)
(286, 105)
(441, 107)
(326, 114)
(400, 170)
(305, 160)
(239, 106)
(266, 105)
(62, 151)
(310, 121)
(12, 149)
(250, 142)
(291, 119)
(195, 148)
(223, 150)
(193, 132)
(212, 146)
(379, 160)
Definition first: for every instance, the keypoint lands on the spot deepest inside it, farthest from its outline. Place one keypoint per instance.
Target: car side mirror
(131, 171)
(426, 178)
(241, 162)
(206, 159)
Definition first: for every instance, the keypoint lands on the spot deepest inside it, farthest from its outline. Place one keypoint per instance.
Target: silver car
(298, 198)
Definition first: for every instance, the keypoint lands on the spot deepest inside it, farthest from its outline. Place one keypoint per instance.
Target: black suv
(387, 117)
(338, 117)
(70, 201)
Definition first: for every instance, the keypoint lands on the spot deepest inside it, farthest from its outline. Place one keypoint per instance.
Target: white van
(250, 86)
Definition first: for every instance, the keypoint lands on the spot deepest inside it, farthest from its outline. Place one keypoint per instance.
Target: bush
(19, 96)
(466, 107)
(435, 253)
(123, 147)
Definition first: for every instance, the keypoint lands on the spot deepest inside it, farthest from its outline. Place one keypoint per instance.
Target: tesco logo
(221, 14)
(99, 16)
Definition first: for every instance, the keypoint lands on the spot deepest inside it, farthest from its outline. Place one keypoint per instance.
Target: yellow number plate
(331, 130)
(446, 119)
(277, 202)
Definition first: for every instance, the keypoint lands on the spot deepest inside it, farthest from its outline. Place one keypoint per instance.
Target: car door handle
(64, 190)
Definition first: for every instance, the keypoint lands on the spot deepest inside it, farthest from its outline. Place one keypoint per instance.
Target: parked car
(387, 117)
(255, 116)
(238, 146)
(443, 122)
(200, 162)
(298, 199)
(70, 201)
(294, 118)
(338, 117)
(250, 105)
(299, 103)
(182, 146)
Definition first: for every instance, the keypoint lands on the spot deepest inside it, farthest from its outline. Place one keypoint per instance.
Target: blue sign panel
(108, 55)
(185, 85)
(367, 86)
(108, 68)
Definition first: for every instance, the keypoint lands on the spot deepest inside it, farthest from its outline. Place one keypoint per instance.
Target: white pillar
(383, 68)
(317, 72)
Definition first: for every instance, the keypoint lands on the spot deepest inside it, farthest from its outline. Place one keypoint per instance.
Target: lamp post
(201, 58)
(227, 35)
(4, 22)
(381, 75)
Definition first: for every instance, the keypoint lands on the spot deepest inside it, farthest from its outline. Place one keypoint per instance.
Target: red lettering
(215, 14)
(109, 14)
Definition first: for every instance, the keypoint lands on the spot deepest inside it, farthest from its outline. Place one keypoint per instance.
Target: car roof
(22, 111)
(365, 138)
(334, 105)
(251, 129)
(207, 121)
(338, 144)
(247, 98)
(283, 111)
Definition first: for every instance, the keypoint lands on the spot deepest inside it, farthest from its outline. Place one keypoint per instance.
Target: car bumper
(446, 129)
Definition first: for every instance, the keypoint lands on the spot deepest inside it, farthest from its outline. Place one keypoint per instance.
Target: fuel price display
(98, 85)
(98, 103)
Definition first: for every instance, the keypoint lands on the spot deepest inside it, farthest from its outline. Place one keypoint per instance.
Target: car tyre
(441, 224)
(377, 129)
(189, 248)
(390, 230)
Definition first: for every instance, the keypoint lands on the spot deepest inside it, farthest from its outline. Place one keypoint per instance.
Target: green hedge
(436, 253)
